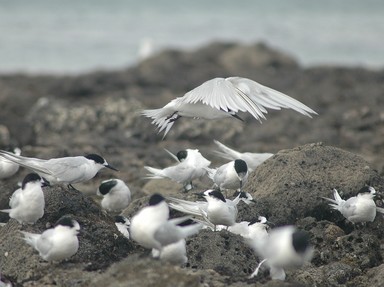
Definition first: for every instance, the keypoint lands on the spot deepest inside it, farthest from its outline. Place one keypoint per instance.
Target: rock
(289, 185)
(100, 242)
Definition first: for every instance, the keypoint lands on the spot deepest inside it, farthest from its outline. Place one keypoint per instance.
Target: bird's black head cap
(182, 155)
(241, 166)
(217, 194)
(106, 186)
(96, 158)
(300, 241)
(65, 221)
(30, 178)
(155, 199)
(119, 219)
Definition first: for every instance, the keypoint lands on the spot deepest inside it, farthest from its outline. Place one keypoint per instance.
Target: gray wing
(44, 243)
(15, 198)
(348, 207)
(66, 167)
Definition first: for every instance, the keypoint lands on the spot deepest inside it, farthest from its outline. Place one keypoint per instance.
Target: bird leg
(71, 187)
(173, 117)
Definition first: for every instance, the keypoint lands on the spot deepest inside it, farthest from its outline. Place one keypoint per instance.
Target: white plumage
(57, 243)
(27, 203)
(7, 167)
(360, 208)
(68, 170)
(116, 195)
(189, 167)
(253, 160)
(224, 97)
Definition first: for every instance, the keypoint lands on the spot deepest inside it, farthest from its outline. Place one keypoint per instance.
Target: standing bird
(253, 160)
(360, 208)
(191, 165)
(58, 243)
(152, 228)
(67, 170)
(284, 247)
(221, 98)
(116, 195)
(9, 168)
(27, 203)
(232, 175)
(216, 210)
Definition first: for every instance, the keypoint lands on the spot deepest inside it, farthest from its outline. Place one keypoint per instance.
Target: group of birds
(152, 227)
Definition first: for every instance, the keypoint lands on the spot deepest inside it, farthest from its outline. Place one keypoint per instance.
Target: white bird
(58, 243)
(232, 175)
(224, 97)
(175, 253)
(27, 203)
(116, 195)
(216, 210)
(284, 247)
(9, 168)
(360, 208)
(191, 165)
(253, 160)
(152, 228)
(122, 223)
(67, 170)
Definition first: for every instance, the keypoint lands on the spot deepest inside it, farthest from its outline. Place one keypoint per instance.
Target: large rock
(289, 185)
(101, 244)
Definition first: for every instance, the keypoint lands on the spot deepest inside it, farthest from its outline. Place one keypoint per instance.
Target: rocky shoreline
(342, 147)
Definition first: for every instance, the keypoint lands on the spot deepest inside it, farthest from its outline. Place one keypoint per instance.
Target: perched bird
(27, 203)
(253, 160)
(191, 165)
(224, 97)
(58, 243)
(152, 228)
(360, 208)
(175, 253)
(116, 195)
(122, 223)
(9, 168)
(232, 175)
(67, 170)
(284, 247)
(216, 210)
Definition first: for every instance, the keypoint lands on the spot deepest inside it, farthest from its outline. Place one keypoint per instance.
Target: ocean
(70, 37)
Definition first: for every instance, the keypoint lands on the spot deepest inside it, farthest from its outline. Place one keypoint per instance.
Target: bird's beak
(45, 182)
(111, 167)
(199, 194)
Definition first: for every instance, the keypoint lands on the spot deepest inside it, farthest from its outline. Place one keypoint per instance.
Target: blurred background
(66, 37)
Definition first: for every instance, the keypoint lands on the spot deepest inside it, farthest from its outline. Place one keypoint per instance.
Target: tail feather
(191, 229)
(226, 152)
(336, 202)
(6, 210)
(210, 172)
(162, 118)
(155, 173)
(30, 238)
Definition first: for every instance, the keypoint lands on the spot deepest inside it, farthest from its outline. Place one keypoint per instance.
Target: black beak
(111, 167)
(199, 194)
(45, 182)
